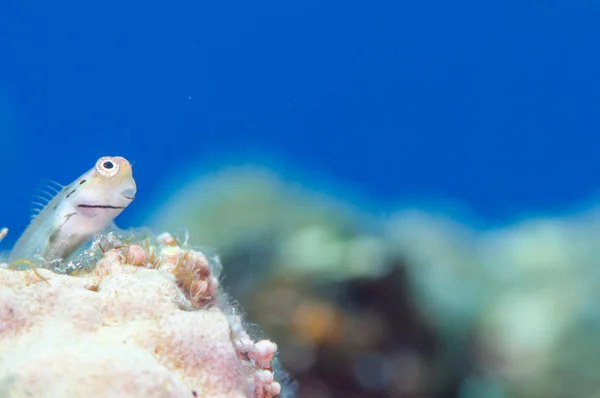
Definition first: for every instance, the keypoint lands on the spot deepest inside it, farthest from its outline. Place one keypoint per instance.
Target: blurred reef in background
(410, 304)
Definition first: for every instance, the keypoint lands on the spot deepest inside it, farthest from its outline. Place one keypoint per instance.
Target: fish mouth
(128, 193)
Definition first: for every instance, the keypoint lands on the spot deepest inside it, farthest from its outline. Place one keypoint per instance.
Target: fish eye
(107, 167)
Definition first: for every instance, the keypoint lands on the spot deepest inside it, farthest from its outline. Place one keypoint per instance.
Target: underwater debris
(128, 317)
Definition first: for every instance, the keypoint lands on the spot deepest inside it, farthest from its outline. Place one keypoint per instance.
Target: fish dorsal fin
(50, 186)
(43, 193)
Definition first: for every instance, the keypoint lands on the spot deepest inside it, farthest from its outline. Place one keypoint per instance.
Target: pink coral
(263, 353)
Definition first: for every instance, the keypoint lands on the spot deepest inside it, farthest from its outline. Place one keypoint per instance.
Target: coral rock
(124, 330)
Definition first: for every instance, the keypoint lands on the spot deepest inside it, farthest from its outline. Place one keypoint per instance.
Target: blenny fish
(79, 210)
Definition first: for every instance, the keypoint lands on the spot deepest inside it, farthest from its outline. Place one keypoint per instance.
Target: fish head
(108, 187)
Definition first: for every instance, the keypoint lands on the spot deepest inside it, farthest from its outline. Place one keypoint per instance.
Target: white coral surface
(129, 332)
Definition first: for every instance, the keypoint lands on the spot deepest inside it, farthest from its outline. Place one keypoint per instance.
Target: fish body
(78, 211)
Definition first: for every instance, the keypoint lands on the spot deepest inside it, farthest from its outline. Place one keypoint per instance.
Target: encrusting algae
(131, 315)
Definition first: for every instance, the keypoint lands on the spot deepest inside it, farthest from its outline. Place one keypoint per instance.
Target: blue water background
(493, 104)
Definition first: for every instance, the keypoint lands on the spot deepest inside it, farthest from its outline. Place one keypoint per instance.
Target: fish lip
(128, 193)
